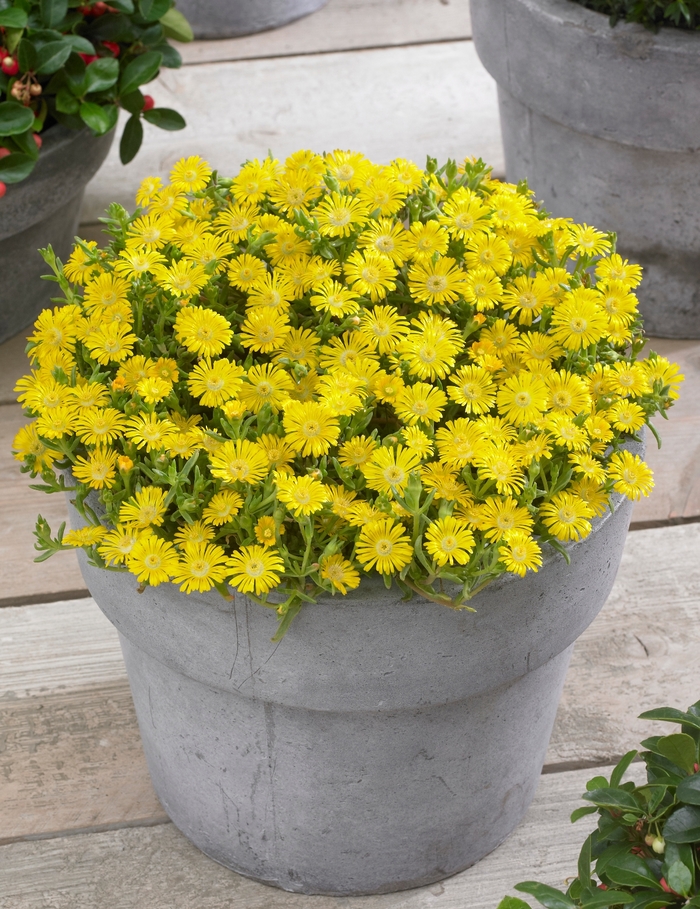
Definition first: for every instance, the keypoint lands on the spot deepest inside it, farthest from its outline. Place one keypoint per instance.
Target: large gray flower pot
(42, 210)
(231, 18)
(604, 123)
(381, 745)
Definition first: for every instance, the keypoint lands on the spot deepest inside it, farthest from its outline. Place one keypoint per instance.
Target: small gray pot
(42, 210)
(604, 123)
(232, 18)
(381, 745)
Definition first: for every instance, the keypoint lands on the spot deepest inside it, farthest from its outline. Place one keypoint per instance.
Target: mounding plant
(645, 851)
(651, 14)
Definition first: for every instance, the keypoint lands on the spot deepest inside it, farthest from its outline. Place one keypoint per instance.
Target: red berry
(112, 46)
(99, 8)
(148, 102)
(3, 189)
(4, 152)
(85, 10)
(88, 58)
(39, 141)
(9, 66)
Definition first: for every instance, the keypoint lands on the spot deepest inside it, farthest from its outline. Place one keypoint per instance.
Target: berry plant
(649, 13)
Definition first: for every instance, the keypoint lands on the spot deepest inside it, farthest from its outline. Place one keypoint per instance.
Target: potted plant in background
(399, 411)
(232, 18)
(606, 123)
(65, 71)
(645, 852)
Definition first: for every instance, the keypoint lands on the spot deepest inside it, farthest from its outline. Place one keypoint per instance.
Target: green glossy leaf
(688, 790)
(14, 119)
(683, 826)
(584, 863)
(617, 799)
(124, 6)
(512, 902)
(100, 119)
(14, 17)
(651, 900)
(53, 12)
(16, 167)
(101, 74)
(548, 896)
(171, 56)
(26, 145)
(679, 748)
(164, 118)
(621, 768)
(140, 71)
(582, 812)
(52, 56)
(598, 782)
(679, 878)
(133, 102)
(26, 55)
(671, 715)
(131, 140)
(599, 899)
(80, 45)
(175, 26)
(154, 9)
(66, 102)
(630, 871)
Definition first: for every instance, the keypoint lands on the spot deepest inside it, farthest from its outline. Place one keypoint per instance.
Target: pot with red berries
(65, 72)
(231, 18)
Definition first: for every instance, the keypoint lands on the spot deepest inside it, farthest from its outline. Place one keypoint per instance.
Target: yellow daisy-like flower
(386, 388)
(627, 416)
(239, 462)
(527, 296)
(254, 180)
(383, 327)
(483, 288)
(134, 262)
(148, 189)
(54, 330)
(473, 388)
(197, 532)
(190, 175)
(356, 451)
(334, 298)
(580, 320)
(301, 345)
(183, 279)
(340, 573)
(417, 441)
(566, 516)
(98, 469)
(214, 383)
(464, 215)
(370, 274)
(615, 268)
(266, 531)
(57, 422)
(272, 291)
(150, 231)
(488, 250)
(145, 509)
(386, 237)
(278, 451)
(591, 492)
(222, 507)
(310, 428)
(153, 560)
(150, 431)
(111, 343)
(568, 393)
(566, 433)
(203, 331)
(27, 444)
(503, 466)
(628, 379)
(116, 545)
(442, 480)
(448, 541)
(255, 569)
(587, 241)
(201, 566)
(385, 546)
(435, 283)
(522, 398)
(80, 264)
(460, 442)
(85, 536)
(588, 466)
(104, 291)
(420, 402)
(153, 389)
(338, 214)
(520, 553)
(500, 518)
(267, 384)
(389, 469)
(245, 271)
(302, 495)
(264, 330)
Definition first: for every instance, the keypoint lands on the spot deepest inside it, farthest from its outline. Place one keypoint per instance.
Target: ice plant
(326, 368)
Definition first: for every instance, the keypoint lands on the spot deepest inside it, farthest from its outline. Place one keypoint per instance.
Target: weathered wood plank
(22, 579)
(345, 25)
(157, 867)
(398, 102)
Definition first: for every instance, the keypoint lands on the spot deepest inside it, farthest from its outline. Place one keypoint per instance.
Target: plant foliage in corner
(77, 64)
(645, 852)
(651, 14)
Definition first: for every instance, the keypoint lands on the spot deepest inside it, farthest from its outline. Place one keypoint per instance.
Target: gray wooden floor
(80, 826)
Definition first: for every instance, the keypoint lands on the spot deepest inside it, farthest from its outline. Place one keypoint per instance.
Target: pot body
(381, 745)
(232, 18)
(604, 123)
(41, 210)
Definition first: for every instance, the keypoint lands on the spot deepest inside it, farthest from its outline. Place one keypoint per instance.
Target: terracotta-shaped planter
(605, 122)
(381, 745)
(41, 210)
(231, 18)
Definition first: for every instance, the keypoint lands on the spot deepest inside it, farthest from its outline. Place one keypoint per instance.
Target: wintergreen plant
(649, 13)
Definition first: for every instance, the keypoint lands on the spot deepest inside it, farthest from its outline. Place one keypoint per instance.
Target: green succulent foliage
(78, 62)
(645, 852)
(651, 14)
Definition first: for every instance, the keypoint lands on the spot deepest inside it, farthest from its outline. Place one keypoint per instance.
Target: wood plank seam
(154, 821)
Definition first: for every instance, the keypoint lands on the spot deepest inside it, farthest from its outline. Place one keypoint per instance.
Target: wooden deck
(80, 826)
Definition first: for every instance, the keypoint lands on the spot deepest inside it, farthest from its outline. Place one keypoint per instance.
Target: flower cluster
(328, 367)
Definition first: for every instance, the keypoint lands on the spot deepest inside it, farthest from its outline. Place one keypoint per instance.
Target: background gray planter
(230, 18)
(605, 125)
(42, 210)
(381, 745)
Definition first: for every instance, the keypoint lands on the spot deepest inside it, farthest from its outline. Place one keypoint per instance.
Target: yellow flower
(503, 465)
(338, 215)
(310, 428)
(442, 480)
(153, 560)
(370, 274)
(615, 268)
(295, 190)
(278, 451)
(267, 384)
(334, 298)
(190, 175)
(483, 288)
(522, 398)
(183, 279)
(591, 492)
(271, 290)
(417, 441)
(149, 187)
(54, 330)
(519, 553)
(500, 518)
(386, 237)
(118, 543)
(245, 270)
(301, 345)
(473, 388)
(388, 469)
(27, 445)
(215, 382)
(240, 461)
(302, 495)
(264, 330)
(340, 573)
(385, 546)
(145, 509)
(104, 291)
(464, 215)
(383, 327)
(85, 536)
(627, 416)
(580, 320)
(459, 442)
(57, 422)
(587, 241)
(254, 180)
(448, 541)
(198, 532)
(488, 250)
(80, 263)
(111, 343)
(151, 231)
(628, 379)
(201, 566)
(426, 239)
(438, 282)
(152, 389)
(97, 470)
(222, 507)
(568, 393)
(527, 296)
(588, 466)
(420, 402)
(566, 516)
(203, 331)
(266, 531)
(255, 569)
(150, 431)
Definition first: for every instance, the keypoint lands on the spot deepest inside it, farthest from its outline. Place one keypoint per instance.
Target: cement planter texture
(231, 18)
(605, 124)
(44, 209)
(381, 745)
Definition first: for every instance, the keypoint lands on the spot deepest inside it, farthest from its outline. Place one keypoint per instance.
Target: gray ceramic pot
(231, 18)
(381, 745)
(605, 125)
(43, 210)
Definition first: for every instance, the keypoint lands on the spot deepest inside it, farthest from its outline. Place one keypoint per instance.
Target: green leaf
(152, 10)
(679, 878)
(650, 900)
(80, 45)
(52, 56)
(164, 118)
(584, 863)
(683, 826)
(131, 140)
(14, 118)
(141, 70)
(100, 119)
(621, 768)
(175, 26)
(671, 715)
(512, 902)
(101, 74)
(124, 6)
(26, 55)
(16, 167)
(548, 896)
(679, 748)
(599, 899)
(688, 790)
(133, 102)
(14, 17)
(598, 782)
(630, 871)
(171, 57)
(617, 799)
(53, 12)
(582, 812)
(66, 102)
